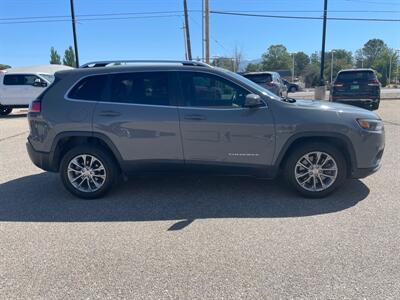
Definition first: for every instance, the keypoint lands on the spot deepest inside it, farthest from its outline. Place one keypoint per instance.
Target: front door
(217, 128)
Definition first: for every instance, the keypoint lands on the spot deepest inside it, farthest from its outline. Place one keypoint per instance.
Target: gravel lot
(197, 237)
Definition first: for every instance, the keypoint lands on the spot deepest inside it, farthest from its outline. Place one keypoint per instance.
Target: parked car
(292, 87)
(97, 122)
(359, 87)
(20, 86)
(270, 80)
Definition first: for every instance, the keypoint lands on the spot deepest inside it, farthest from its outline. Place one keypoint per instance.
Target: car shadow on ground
(42, 198)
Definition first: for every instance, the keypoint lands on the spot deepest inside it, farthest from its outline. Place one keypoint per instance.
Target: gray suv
(105, 119)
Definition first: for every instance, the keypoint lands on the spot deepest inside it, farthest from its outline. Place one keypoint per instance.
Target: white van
(20, 86)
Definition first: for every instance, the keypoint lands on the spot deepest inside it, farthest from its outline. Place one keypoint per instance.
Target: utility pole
(390, 67)
(189, 48)
(202, 30)
(321, 74)
(184, 40)
(74, 33)
(293, 68)
(332, 51)
(207, 30)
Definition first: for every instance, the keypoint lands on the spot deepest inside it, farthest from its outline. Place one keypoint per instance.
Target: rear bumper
(40, 159)
(364, 103)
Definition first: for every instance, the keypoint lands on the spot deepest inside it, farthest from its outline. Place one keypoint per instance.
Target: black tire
(293, 89)
(4, 110)
(302, 150)
(106, 159)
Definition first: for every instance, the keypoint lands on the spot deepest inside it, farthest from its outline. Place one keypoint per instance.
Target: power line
(91, 19)
(194, 11)
(302, 17)
(99, 15)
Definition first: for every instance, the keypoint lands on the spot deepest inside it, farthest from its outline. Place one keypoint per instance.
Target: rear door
(216, 127)
(137, 116)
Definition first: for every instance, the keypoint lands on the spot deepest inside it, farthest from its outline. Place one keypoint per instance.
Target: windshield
(251, 83)
(48, 77)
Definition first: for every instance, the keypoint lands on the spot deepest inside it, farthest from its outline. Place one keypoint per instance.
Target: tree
(315, 59)
(311, 75)
(252, 67)
(55, 58)
(301, 60)
(276, 58)
(342, 59)
(2, 66)
(372, 50)
(69, 57)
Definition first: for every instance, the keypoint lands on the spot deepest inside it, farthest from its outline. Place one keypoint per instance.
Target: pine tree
(55, 58)
(69, 57)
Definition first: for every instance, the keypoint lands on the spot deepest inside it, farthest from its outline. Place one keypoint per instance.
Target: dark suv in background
(359, 87)
(105, 119)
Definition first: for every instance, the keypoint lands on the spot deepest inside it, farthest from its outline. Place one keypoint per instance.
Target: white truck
(20, 86)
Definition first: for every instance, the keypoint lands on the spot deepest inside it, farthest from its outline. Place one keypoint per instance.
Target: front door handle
(194, 117)
(109, 113)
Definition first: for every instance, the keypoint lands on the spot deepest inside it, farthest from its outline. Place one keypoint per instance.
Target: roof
(257, 73)
(51, 69)
(359, 69)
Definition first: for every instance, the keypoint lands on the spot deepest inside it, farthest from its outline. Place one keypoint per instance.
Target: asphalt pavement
(197, 237)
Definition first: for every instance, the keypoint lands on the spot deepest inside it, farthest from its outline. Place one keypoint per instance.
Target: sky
(136, 35)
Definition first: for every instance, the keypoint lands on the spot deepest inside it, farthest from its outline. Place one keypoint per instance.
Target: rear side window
(356, 75)
(150, 88)
(20, 79)
(259, 78)
(90, 88)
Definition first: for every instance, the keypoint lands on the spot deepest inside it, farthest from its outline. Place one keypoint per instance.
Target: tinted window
(259, 78)
(140, 88)
(356, 75)
(89, 88)
(12, 79)
(206, 90)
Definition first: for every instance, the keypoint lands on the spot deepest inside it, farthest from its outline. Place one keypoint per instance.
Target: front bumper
(40, 159)
(362, 173)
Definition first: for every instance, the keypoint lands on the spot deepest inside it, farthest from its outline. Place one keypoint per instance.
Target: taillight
(36, 106)
(373, 82)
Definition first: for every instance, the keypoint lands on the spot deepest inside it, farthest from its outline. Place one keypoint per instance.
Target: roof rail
(105, 63)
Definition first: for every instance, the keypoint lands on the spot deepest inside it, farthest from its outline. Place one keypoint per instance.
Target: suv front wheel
(315, 170)
(88, 172)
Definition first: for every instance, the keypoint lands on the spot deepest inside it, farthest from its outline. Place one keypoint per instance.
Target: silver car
(271, 81)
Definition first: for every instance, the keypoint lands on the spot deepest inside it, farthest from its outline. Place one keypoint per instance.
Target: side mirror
(253, 100)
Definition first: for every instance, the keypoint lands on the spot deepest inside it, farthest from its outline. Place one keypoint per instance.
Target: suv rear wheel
(4, 110)
(88, 172)
(315, 170)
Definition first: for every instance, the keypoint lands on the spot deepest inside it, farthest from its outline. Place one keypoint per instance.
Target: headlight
(370, 125)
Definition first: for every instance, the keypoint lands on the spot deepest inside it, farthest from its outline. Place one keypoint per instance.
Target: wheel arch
(341, 142)
(67, 140)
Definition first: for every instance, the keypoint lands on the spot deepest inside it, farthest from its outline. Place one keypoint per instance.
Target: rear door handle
(194, 117)
(109, 113)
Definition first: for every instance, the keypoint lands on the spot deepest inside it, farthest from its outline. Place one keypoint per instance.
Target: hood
(335, 107)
